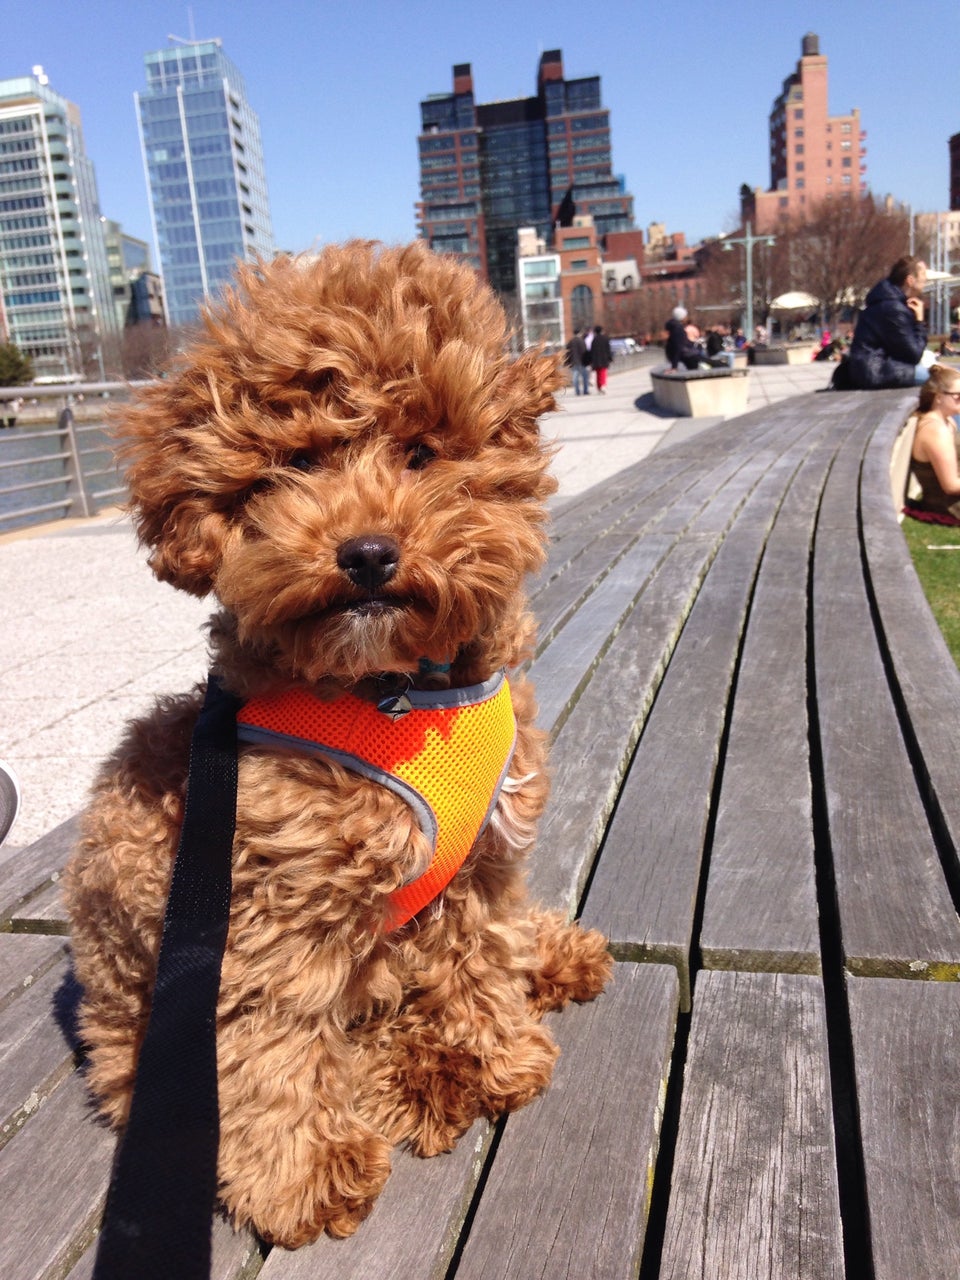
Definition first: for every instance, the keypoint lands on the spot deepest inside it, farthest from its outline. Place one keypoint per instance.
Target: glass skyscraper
(56, 302)
(204, 164)
(487, 169)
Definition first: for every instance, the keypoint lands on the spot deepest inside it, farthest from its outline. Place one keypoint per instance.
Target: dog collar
(445, 752)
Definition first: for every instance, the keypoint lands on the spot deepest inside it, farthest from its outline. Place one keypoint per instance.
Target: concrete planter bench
(700, 393)
(791, 353)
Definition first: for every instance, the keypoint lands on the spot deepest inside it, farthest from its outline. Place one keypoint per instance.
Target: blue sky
(337, 87)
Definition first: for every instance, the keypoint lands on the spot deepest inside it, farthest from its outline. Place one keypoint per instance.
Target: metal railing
(56, 455)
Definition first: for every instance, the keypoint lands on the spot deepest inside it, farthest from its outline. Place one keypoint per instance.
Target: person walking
(601, 357)
(579, 361)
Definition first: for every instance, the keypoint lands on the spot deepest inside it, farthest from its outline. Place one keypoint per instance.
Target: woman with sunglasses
(933, 459)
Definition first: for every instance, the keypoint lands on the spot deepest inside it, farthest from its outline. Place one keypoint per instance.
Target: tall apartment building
(813, 156)
(203, 160)
(488, 169)
(55, 298)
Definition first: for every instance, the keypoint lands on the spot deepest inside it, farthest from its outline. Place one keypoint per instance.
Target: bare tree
(840, 251)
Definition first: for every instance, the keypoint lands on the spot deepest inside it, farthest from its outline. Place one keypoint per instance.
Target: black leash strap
(157, 1223)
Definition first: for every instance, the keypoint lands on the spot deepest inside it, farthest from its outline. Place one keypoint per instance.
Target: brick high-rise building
(488, 169)
(813, 156)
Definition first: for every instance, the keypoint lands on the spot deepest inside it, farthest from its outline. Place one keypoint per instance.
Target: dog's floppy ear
(185, 541)
(527, 386)
(179, 479)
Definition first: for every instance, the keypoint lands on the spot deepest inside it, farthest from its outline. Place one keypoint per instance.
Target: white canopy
(795, 301)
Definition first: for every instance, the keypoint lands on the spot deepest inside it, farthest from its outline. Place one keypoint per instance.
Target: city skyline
(338, 94)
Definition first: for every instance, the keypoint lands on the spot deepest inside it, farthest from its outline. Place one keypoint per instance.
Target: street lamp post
(748, 241)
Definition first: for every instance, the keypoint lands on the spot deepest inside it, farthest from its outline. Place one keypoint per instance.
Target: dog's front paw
(334, 1196)
(574, 963)
(438, 1090)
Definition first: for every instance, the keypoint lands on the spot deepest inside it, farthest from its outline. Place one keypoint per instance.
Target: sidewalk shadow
(647, 404)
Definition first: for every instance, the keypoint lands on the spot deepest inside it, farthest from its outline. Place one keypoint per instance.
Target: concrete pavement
(90, 638)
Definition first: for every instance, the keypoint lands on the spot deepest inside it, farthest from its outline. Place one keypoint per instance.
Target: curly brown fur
(364, 393)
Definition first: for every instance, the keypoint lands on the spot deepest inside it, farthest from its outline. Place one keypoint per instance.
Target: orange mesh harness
(445, 753)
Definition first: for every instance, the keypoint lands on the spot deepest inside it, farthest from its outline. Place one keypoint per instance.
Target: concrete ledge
(791, 353)
(700, 393)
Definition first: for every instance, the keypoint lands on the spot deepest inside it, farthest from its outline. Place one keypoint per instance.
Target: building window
(581, 307)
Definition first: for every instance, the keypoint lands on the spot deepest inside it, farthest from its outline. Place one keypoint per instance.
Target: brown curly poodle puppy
(348, 459)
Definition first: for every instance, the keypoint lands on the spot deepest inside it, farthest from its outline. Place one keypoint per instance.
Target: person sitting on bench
(890, 337)
(679, 348)
(933, 458)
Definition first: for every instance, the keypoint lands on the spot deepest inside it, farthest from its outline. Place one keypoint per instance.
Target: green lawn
(939, 574)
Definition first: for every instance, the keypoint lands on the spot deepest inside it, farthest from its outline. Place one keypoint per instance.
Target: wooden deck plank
(53, 1180)
(568, 1194)
(43, 913)
(22, 961)
(760, 910)
(907, 1072)
(29, 872)
(607, 505)
(565, 666)
(597, 739)
(234, 1255)
(896, 915)
(34, 1056)
(754, 1191)
(590, 754)
(644, 891)
(923, 666)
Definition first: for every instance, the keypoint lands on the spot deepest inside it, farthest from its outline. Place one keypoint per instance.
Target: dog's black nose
(369, 561)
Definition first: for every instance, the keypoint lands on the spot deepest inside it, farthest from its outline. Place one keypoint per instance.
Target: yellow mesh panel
(455, 757)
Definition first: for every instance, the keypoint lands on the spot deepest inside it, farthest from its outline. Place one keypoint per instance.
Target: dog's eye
(419, 456)
(303, 461)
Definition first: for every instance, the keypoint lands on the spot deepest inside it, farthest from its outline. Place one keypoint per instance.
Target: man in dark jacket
(679, 349)
(890, 336)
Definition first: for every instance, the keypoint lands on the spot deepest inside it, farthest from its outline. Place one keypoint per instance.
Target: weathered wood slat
(606, 506)
(590, 754)
(22, 961)
(896, 914)
(34, 1056)
(413, 1228)
(569, 1189)
(644, 892)
(53, 1180)
(34, 869)
(760, 910)
(43, 913)
(234, 1255)
(923, 667)
(907, 1069)
(754, 1191)
(565, 666)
